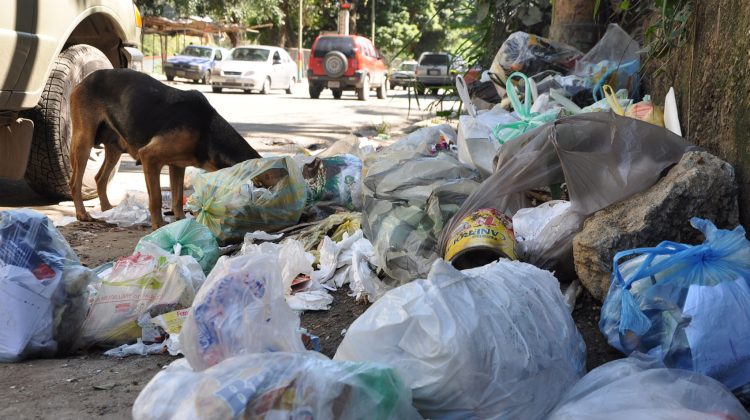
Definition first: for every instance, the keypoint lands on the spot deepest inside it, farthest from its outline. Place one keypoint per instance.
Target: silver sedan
(255, 67)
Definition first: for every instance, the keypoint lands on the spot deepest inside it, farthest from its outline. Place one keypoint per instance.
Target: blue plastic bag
(687, 305)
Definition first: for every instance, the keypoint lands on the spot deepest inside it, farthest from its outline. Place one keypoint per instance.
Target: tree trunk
(574, 23)
(711, 77)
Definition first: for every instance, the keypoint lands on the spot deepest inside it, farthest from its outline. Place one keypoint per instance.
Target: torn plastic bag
(334, 226)
(43, 288)
(603, 158)
(524, 119)
(492, 342)
(259, 194)
(640, 387)
(532, 54)
(303, 385)
(614, 61)
(186, 237)
(409, 192)
(334, 183)
(687, 305)
(131, 211)
(152, 281)
(240, 310)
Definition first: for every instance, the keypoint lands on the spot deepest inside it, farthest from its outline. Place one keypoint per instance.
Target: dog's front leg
(152, 170)
(176, 182)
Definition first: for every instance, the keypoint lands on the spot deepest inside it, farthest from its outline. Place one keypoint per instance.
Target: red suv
(346, 62)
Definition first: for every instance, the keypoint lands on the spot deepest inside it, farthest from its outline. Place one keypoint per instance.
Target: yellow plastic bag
(644, 110)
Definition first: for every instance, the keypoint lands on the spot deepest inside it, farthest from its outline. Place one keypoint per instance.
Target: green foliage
(668, 21)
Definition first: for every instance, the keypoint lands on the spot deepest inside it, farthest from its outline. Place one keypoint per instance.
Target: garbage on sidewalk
(602, 158)
(131, 211)
(152, 281)
(276, 385)
(686, 305)
(259, 194)
(403, 213)
(333, 226)
(43, 288)
(186, 237)
(351, 261)
(333, 183)
(240, 310)
(496, 341)
(532, 54)
(640, 387)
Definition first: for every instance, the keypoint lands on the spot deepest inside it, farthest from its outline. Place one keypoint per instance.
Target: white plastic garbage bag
(43, 288)
(131, 211)
(492, 342)
(151, 281)
(640, 387)
(240, 310)
(276, 386)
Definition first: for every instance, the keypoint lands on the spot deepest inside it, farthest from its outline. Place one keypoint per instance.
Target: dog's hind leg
(112, 155)
(176, 182)
(84, 131)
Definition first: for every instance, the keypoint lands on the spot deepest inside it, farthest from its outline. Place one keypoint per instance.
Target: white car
(255, 67)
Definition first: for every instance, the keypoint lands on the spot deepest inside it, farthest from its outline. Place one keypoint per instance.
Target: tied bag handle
(463, 93)
(609, 93)
(523, 110)
(631, 316)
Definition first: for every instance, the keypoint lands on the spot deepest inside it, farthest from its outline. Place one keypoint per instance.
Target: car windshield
(408, 67)
(250, 54)
(197, 52)
(327, 44)
(435, 60)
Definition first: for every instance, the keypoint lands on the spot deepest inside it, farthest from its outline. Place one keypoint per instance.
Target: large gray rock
(700, 185)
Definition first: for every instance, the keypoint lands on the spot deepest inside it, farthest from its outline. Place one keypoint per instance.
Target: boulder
(700, 185)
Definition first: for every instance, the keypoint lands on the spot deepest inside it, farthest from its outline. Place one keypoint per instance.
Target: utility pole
(372, 17)
(300, 54)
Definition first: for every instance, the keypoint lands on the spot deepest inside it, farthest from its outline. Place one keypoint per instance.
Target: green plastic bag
(186, 237)
(259, 194)
(527, 120)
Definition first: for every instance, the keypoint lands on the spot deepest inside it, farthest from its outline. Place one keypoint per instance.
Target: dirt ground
(92, 385)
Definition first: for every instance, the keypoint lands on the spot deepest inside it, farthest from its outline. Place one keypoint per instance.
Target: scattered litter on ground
(131, 211)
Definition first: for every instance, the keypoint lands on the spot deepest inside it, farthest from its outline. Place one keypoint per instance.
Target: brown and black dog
(157, 125)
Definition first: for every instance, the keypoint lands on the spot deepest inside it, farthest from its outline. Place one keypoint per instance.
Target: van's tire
(48, 171)
(335, 64)
(314, 91)
(216, 89)
(383, 90)
(336, 93)
(363, 93)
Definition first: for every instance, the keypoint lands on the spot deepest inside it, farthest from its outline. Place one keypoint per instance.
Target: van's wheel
(337, 93)
(290, 89)
(170, 78)
(314, 91)
(216, 89)
(48, 171)
(383, 91)
(266, 87)
(206, 80)
(364, 92)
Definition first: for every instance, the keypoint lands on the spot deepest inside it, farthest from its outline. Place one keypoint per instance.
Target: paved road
(276, 123)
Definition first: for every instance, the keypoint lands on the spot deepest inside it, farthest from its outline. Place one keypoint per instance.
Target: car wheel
(337, 93)
(216, 89)
(382, 91)
(206, 78)
(266, 86)
(420, 89)
(170, 78)
(314, 91)
(434, 91)
(290, 89)
(364, 92)
(49, 170)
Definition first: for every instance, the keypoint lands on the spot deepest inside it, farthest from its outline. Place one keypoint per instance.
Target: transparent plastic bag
(687, 305)
(614, 61)
(333, 183)
(493, 342)
(259, 194)
(410, 190)
(186, 237)
(276, 386)
(131, 211)
(603, 158)
(240, 310)
(640, 387)
(43, 288)
(532, 54)
(151, 281)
